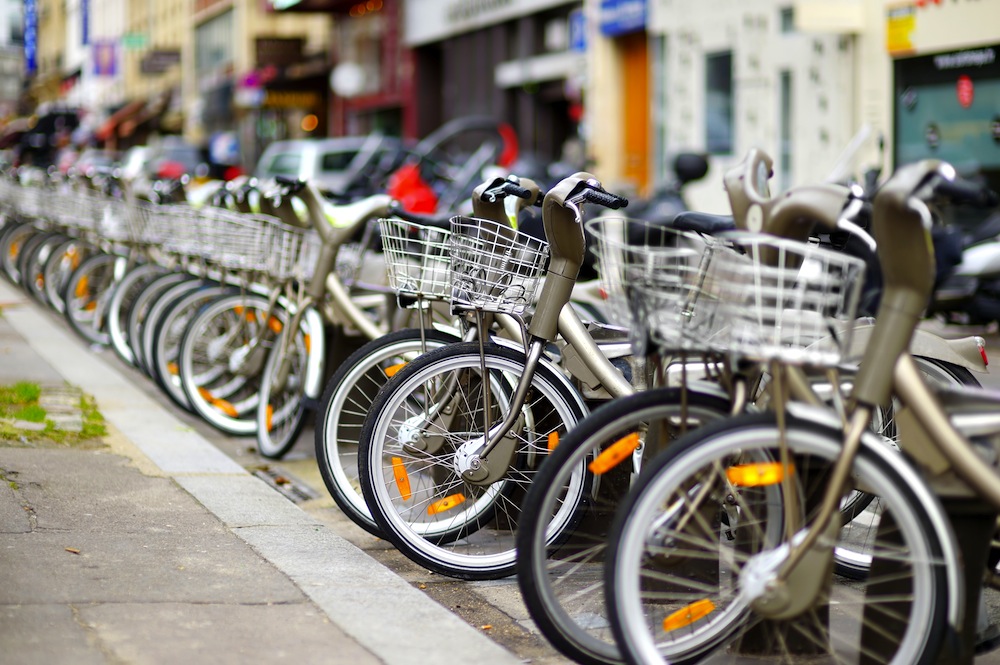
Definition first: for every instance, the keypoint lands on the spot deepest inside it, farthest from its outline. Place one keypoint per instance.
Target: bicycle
(774, 481)
(224, 348)
(442, 485)
(417, 255)
(560, 578)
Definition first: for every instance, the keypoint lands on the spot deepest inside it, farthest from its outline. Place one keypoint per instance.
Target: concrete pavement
(153, 546)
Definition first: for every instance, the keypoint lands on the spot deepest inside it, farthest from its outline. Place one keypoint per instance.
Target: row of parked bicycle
(712, 472)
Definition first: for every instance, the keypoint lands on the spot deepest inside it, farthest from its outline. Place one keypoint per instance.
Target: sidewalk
(155, 547)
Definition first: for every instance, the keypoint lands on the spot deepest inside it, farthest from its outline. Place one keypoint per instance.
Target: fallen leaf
(423, 586)
(281, 480)
(487, 626)
(72, 550)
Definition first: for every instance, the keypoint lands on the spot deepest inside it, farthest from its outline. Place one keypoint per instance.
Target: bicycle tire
(561, 580)
(477, 541)
(86, 297)
(140, 308)
(11, 244)
(32, 262)
(121, 304)
(281, 409)
(667, 605)
(62, 262)
(221, 358)
(347, 400)
(169, 332)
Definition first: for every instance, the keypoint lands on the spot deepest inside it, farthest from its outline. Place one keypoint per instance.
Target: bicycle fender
(964, 351)
(316, 362)
(927, 498)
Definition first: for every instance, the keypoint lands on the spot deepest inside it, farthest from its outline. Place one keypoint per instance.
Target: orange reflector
(15, 248)
(307, 340)
(391, 370)
(81, 287)
(757, 475)
(402, 479)
(90, 306)
(269, 420)
(617, 452)
(553, 440)
(205, 394)
(275, 325)
(688, 615)
(226, 407)
(238, 309)
(446, 503)
(173, 369)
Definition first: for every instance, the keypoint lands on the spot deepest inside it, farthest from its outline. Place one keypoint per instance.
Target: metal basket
(114, 219)
(624, 248)
(418, 259)
(237, 241)
(671, 296)
(294, 252)
(786, 300)
(494, 267)
(179, 227)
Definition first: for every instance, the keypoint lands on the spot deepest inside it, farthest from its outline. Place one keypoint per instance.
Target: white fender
(964, 351)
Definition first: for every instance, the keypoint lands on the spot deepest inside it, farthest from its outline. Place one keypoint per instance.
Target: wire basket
(494, 267)
(235, 240)
(179, 227)
(786, 300)
(114, 221)
(625, 248)
(671, 295)
(294, 252)
(418, 259)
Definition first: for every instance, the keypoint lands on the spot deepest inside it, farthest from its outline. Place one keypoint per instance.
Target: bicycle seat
(349, 215)
(436, 221)
(703, 222)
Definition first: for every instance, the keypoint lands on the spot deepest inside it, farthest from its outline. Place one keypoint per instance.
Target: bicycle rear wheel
(561, 579)
(705, 516)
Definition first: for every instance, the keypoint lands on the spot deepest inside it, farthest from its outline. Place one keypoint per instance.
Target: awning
(107, 130)
(153, 109)
(12, 132)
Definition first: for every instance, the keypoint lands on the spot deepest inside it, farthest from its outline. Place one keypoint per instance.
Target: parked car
(343, 167)
(95, 159)
(172, 157)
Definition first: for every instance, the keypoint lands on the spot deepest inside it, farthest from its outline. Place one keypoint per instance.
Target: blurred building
(799, 79)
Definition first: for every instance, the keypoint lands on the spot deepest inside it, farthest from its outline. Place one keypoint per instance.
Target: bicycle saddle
(703, 222)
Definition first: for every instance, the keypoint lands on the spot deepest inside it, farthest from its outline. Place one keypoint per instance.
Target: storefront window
(719, 103)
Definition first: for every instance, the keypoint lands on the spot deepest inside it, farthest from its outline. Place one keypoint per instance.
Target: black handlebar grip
(963, 191)
(514, 189)
(606, 199)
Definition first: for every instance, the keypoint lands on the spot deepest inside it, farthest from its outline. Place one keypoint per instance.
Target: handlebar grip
(606, 199)
(963, 191)
(515, 190)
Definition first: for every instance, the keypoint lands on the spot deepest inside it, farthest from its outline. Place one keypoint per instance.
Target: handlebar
(505, 188)
(964, 191)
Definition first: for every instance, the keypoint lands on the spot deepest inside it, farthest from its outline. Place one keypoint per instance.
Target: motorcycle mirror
(690, 166)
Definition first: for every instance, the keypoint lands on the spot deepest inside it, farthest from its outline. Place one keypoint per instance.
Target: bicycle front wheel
(425, 420)
(561, 579)
(221, 358)
(705, 526)
(87, 295)
(281, 410)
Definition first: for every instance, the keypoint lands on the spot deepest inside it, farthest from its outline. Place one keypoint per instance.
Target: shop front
(513, 60)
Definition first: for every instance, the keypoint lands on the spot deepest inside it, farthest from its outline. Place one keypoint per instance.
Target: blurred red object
(232, 172)
(411, 191)
(170, 170)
